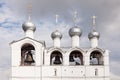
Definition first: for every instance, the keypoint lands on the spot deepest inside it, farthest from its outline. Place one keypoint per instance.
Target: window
(96, 72)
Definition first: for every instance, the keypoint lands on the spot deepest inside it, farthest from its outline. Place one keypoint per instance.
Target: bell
(29, 58)
(94, 55)
(57, 60)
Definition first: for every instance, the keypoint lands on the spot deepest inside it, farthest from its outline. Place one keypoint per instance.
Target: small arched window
(96, 58)
(56, 58)
(76, 58)
(27, 55)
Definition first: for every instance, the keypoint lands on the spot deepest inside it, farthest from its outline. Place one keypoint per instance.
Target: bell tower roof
(29, 25)
(75, 30)
(56, 33)
(94, 33)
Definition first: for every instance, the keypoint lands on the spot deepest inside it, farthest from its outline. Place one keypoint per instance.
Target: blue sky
(13, 13)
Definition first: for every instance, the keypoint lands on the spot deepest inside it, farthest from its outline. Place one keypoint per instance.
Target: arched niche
(56, 58)
(96, 58)
(75, 58)
(27, 55)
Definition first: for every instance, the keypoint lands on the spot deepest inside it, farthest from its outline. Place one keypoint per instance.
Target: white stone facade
(44, 70)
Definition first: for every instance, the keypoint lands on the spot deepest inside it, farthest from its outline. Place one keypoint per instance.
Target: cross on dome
(29, 8)
(56, 16)
(94, 22)
(28, 26)
(75, 19)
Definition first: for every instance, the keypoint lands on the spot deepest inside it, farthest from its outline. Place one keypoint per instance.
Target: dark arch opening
(96, 58)
(56, 58)
(76, 58)
(27, 55)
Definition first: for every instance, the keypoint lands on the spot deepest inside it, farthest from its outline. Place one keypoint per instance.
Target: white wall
(59, 72)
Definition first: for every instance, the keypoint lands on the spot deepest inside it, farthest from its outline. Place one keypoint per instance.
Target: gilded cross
(29, 8)
(56, 16)
(75, 18)
(94, 21)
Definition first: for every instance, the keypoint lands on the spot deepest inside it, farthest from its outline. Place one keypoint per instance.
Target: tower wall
(31, 60)
(65, 71)
(29, 33)
(56, 42)
(59, 73)
(94, 42)
(75, 41)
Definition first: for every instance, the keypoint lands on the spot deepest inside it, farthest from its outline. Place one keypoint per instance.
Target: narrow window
(55, 71)
(96, 72)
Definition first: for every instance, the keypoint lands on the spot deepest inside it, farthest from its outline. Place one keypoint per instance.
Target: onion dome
(94, 34)
(56, 34)
(75, 31)
(28, 25)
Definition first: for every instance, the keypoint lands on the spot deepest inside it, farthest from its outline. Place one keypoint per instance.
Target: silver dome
(28, 25)
(75, 31)
(56, 34)
(93, 34)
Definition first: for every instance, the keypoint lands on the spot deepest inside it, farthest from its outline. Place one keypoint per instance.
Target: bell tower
(27, 55)
(32, 60)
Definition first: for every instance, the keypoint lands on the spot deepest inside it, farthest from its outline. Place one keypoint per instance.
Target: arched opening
(27, 55)
(96, 58)
(56, 58)
(76, 58)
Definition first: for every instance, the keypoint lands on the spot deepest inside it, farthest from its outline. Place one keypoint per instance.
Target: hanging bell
(29, 58)
(94, 55)
(57, 60)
